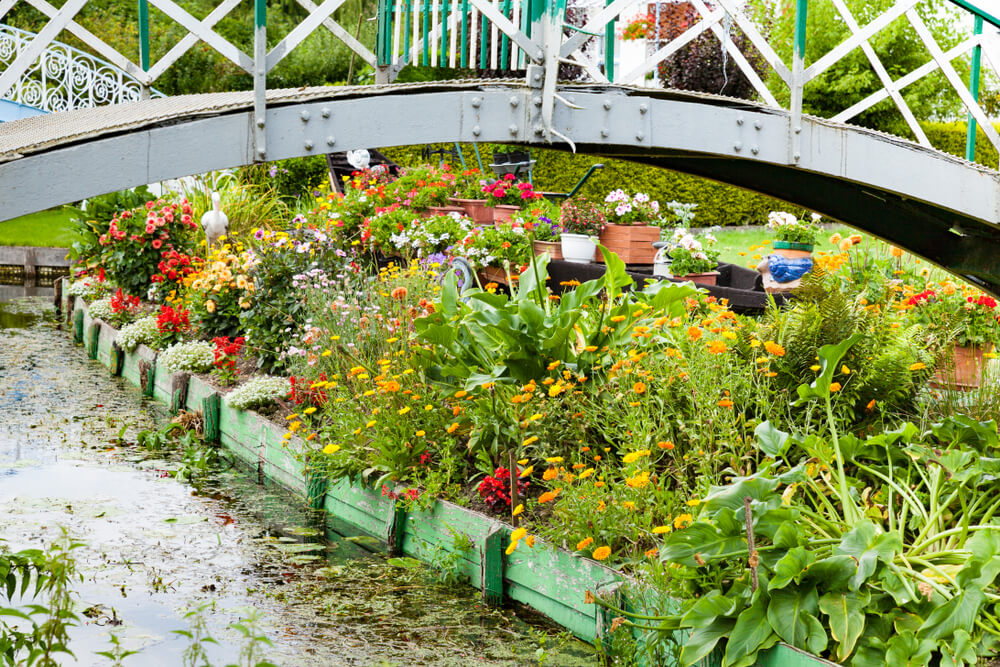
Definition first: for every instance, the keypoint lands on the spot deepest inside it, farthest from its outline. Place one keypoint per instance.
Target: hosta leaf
(787, 612)
(959, 651)
(703, 640)
(789, 568)
(751, 630)
(832, 573)
(905, 650)
(771, 440)
(958, 613)
(702, 539)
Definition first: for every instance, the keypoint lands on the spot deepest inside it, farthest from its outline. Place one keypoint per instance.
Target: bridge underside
(935, 205)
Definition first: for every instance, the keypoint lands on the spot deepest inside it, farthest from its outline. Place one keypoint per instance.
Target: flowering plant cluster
(173, 323)
(173, 268)
(143, 331)
(227, 353)
(136, 239)
(304, 391)
(621, 208)
(194, 357)
(640, 27)
(90, 287)
(469, 185)
(124, 308)
(495, 489)
(790, 229)
(506, 191)
(973, 316)
(692, 255)
(222, 288)
(101, 309)
(257, 392)
(581, 216)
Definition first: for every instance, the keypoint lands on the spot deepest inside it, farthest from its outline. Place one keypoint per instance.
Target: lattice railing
(64, 78)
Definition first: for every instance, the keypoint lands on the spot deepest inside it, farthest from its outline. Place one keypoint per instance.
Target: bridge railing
(518, 35)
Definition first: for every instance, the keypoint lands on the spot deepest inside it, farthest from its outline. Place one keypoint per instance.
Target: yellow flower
(527, 471)
(370, 424)
(530, 540)
(421, 434)
(528, 441)
(554, 459)
(632, 457)
(586, 473)
(618, 318)
(583, 544)
(683, 521)
(309, 411)
(919, 366)
(510, 549)
(600, 553)
(628, 504)
(461, 393)
(453, 427)
(814, 367)
(331, 449)
(210, 306)
(518, 534)
(518, 510)
(591, 348)
(835, 386)
(403, 411)
(660, 530)
(294, 426)
(694, 502)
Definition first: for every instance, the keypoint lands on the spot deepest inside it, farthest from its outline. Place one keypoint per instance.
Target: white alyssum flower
(258, 392)
(141, 332)
(101, 309)
(88, 288)
(193, 357)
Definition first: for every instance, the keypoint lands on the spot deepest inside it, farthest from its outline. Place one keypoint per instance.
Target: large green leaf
(702, 539)
(905, 650)
(615, 275)
(757, 487)
(790, 568)
(751, 630)
(528, 288)
(707, 608)
(787, 613)
(958, 613)
(829, 363)
(846, 612)
(832, 572)
(959, 652)
(703, 640)
(868, 544)
(770, 440)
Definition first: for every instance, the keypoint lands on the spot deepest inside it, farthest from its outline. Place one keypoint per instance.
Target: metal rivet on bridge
(604, 132)
(476, 131)
(797, 157)
(330, 140)
(260, 122)
(514, 101)
(737, 147)
(309, 145)
(540, 54)
(754, 150)
(757, 125)
(325, 113)
(304, 116)
(607, 104)
(643, 108)
(513, 129)
(539, 130)
(537, 101)
(261, 152)
(537, 78)
(739, 120)
(798, 130)
(640, 136)
(476, 101)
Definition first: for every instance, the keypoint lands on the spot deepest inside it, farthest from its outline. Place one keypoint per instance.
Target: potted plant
(468, 194)
(582, 223)
(505, 196)
(633, 226)
(793, 238)
(693, 258)
(975, 318)
(548, 238)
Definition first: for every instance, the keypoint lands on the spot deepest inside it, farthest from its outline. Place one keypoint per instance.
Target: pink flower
(157, 243)
(150, 228)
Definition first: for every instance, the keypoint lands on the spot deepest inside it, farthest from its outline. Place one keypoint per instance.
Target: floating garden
(818, 474)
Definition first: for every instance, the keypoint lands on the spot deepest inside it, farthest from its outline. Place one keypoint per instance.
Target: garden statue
(215, 222)
(782, 273)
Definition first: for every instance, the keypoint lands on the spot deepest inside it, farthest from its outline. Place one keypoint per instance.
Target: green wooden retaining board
(550, 580)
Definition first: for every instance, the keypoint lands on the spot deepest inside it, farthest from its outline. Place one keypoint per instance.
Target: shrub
(143, 331)
(258, 392)
(193, 357)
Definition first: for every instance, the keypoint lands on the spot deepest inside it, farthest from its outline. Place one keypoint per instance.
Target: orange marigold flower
(453, 427)
(717, 347)
(919, 366)
(694, 333)
(639, 387)
(870, 406)
(665, 444)
(774, 348)
(601, 553)
(583, 544)
(549, 496)
(896, 252)
(835, 386)
(725, 403)
(550, 474)
(399, 293)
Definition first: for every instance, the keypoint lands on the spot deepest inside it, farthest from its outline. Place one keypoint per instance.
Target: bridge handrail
(63, 78)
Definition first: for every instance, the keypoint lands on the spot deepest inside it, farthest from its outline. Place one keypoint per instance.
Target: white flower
(141, 332)
(816, 217)
(101, 309)
(776, 219)
(194, 357)
(258, 392)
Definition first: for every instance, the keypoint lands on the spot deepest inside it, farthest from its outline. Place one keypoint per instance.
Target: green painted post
(383, 32)
(147, 377)
(504, 39)
(801, 15)
(95, 337)
(78, 326)
(483, 42)
(443, 51)
(210, 406)
(425, 57)
(977, 58)
(144, 35)
(395, 525)
(117, 360)
(465, 33)
(408, 16)
(178, 391)
(609, 48)
(493, 549)
(317, 483)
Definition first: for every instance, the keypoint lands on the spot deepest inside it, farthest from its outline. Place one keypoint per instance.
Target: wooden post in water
(147, 377)
(395, 523)
(78, 326)
(492, 566)
(210, 407)
(117, 360)
(95, 338)
(178, 391)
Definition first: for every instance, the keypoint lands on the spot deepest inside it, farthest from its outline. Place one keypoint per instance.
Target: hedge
(559, 171)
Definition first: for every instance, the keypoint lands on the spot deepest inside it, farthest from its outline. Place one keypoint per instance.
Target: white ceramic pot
(578, 248)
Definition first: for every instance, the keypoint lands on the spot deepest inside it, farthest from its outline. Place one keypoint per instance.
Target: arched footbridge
(938, 206)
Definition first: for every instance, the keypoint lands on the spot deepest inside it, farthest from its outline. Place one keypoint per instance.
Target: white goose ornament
(215, 222)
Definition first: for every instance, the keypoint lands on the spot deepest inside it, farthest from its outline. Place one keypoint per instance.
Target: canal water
(157, 548)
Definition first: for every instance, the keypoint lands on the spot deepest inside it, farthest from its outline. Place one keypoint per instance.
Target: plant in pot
(791, 258)
(633, 226)
(539, 218)
(468, 193)
(505, 196)
(972, 318)
(582, 223)
(693, 258)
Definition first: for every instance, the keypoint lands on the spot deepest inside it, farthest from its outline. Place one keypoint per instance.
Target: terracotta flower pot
(492, 274)
(476, 209)
(964, 370)
(445, 210)
(554, 248)
(633, 243)
(504, 212)
(707, 278)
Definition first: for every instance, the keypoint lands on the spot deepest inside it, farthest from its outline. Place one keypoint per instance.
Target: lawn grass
(51, 228)
(751, 243)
